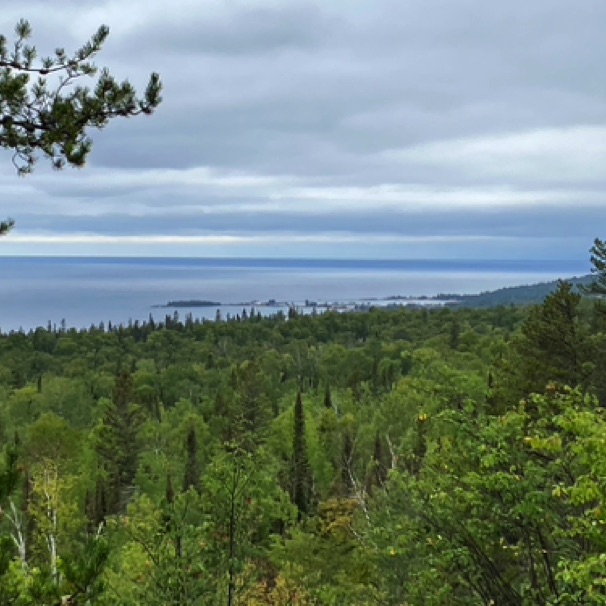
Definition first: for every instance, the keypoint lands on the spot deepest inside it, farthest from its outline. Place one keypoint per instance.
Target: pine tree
(117, 446)
(552, 348)
(52, 115)
(598, 286)
(552, 343)
(301, 479)
(191, 477)
(598, 262)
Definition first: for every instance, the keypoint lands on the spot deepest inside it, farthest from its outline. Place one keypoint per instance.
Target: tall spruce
(117, 446)
(301, 472)
(191, 478)
(552, 343)
(598, 289)
(552, 348)
(598, 269)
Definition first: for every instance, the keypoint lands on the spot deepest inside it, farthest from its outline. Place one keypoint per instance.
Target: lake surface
(85, 291)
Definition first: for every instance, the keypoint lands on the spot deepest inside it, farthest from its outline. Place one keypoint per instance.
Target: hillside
(528, 294)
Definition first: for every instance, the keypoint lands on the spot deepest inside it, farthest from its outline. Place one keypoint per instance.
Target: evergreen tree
(301, 478)
(117, 446)
(552, 342)
(53, 114)
(553, 347)
(598, 262)
(598, 287)
(327, 397)
(192, 466)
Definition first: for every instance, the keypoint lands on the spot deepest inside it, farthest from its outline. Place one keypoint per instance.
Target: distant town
(308, 304)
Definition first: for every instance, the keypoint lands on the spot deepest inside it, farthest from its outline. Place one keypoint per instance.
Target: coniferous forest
(410, 457)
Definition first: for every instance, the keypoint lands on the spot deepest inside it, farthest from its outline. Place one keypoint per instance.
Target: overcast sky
(331, 128)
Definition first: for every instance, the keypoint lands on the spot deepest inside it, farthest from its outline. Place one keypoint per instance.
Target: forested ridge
(528, 294)
(391, 457)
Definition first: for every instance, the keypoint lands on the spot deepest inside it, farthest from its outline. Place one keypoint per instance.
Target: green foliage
(301, 472)
(45, 109)
(554, 346)
(118, 443)
(52, 113)
(199, 463)
(598, 262)
(501, 508)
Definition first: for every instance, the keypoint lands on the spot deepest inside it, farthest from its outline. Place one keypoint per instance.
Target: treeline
(425, 457)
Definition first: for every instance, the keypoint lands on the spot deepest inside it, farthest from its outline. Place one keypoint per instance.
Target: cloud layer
(294, 128)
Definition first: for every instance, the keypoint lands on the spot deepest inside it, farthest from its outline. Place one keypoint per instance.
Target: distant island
(191, 303)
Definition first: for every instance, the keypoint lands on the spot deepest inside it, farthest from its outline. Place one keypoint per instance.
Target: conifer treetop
(46, 109)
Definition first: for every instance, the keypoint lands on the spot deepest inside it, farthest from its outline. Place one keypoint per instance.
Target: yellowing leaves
(548, 445)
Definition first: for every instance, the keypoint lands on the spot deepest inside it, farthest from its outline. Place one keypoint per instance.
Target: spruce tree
(552, 348)
(117, 446)
(191, 477)
(552, 343)
(598, 262)
(301, 478)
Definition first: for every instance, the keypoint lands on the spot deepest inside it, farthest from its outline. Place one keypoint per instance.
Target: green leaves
(424, 491)
(507, 508)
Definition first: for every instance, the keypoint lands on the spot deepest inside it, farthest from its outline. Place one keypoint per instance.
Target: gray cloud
(243, 31)
(298, 116)
(527, 222)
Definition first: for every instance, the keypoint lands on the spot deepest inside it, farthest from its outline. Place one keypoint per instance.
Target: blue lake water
(86, 291)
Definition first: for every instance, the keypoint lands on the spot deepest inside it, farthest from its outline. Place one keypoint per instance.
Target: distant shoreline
(366, 302)
(513, 295)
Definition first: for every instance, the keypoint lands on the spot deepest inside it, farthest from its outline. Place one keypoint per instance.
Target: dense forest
(407, 457)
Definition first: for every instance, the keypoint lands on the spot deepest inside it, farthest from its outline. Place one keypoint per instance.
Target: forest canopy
(390, 457)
